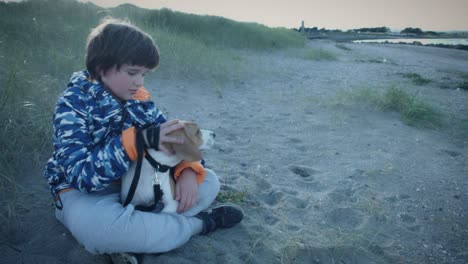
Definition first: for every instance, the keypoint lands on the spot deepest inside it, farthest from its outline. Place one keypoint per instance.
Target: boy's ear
(99, 71)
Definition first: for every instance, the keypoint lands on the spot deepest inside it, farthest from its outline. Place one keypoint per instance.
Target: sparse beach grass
(464, 83)
(343, 47)
(464, 86)
(318, 54)
(231, 196)
(464, 75)
(25, 135)
(416, 78)
(342, 202)
(413, 111)
(40, 49)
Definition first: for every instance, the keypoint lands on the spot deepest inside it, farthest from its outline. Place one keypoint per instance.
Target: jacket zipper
(124, 115)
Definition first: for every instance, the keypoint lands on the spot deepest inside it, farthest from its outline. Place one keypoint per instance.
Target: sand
(327, 179)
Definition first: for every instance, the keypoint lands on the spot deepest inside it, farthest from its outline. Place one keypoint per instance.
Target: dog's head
(194, 140)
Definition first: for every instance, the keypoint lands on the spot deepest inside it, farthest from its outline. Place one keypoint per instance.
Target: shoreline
(350, 38)
(416, 43)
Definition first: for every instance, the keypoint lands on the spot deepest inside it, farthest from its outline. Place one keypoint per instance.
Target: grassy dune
(43, 42)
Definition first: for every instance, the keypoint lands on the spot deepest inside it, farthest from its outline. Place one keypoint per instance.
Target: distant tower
(302, 29)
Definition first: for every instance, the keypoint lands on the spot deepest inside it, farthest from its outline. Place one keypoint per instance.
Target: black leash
(158, 193)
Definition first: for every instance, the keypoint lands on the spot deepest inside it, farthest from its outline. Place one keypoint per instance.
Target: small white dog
(195, 139)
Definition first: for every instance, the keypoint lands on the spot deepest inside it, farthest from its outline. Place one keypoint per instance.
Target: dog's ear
(193, 133)
(189, 151)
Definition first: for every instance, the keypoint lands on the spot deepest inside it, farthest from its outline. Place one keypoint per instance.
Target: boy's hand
(186, 190)
(161, 141)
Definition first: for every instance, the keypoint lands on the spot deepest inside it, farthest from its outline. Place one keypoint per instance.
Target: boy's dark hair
(115, 42)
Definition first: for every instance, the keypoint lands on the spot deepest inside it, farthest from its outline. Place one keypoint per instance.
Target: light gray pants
(100, 222)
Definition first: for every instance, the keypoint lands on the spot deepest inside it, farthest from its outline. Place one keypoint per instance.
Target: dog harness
(141, 147)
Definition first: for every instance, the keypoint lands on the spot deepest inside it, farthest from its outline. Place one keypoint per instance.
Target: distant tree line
(417, 31)
(407, 31)
(359, 30)
(317, 30)
(371, 30)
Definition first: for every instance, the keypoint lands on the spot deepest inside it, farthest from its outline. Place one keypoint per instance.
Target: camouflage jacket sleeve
(87, 166)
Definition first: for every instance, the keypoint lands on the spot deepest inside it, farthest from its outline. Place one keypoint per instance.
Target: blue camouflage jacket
(88, 122)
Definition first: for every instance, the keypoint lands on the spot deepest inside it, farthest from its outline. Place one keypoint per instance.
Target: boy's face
(125, 82)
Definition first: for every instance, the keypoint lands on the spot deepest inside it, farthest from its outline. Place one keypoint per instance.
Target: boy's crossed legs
(100, 223)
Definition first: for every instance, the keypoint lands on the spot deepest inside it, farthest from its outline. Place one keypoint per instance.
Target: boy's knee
(212, 180)
(108, 231)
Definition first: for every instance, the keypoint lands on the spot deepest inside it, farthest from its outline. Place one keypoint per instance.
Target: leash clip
(156, 180)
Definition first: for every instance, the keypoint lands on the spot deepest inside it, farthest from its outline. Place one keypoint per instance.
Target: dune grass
(413, 111)
(43, 42)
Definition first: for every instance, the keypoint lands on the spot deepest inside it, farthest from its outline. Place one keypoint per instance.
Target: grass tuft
(318, 55)
(396, 99)
(231, 196)
(413, 111)
(343, 47)
(416, 78)
(463, 86)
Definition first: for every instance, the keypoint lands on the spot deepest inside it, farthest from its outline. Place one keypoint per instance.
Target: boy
(94, 144)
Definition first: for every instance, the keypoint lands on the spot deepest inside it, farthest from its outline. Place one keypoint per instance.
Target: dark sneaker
(224, 216)
(124, 258)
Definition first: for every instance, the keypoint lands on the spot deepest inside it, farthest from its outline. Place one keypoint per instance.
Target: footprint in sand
(294, 140)
(296, 202)
(270, 219)
(407, 219)
(305, 172)
(343, 195)
(302, 148)
(306, 179)
(296, 144)
(345, 218)
(302, 254)
(261, 183)
(272, 198)
(452, 153)
(293, 228)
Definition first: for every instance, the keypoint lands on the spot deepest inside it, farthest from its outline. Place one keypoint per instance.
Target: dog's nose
(214, 135)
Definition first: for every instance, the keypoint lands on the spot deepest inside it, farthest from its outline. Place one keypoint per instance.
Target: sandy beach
(324, 178)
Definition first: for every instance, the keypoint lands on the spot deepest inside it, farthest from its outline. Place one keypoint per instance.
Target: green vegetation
(413, 111)
(410, 30)
(317, 54)
(231, 196)
(43, 42)
(372, 30)
(418, 31)
(343, 47)
(416, 78)
(464, 75)
(464, 86)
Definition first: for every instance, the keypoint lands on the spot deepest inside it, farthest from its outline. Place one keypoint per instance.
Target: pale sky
(331, 14)
(437, 15)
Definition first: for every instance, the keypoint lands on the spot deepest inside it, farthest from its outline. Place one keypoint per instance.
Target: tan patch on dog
(192, 136)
